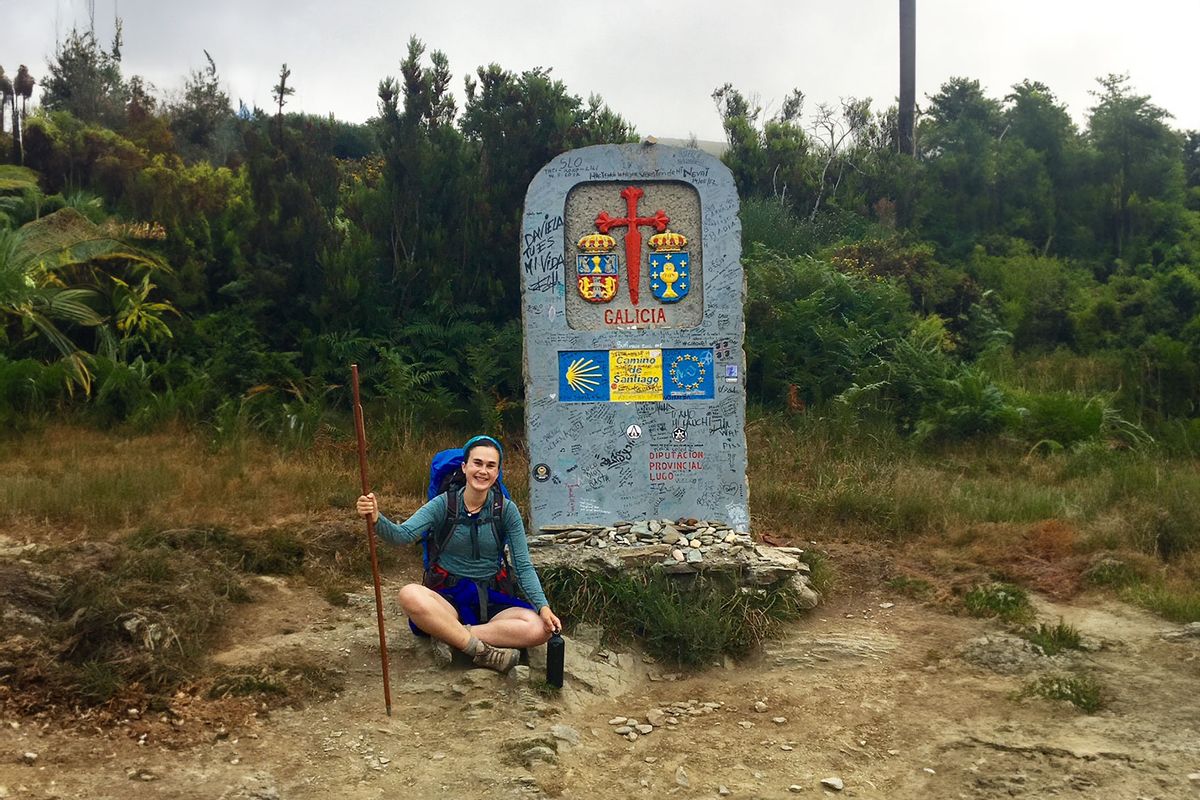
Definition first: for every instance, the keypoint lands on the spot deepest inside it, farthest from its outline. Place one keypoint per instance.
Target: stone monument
(632, 289)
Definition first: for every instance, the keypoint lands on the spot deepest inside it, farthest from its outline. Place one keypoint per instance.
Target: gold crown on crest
(597, 243)
(668, 242)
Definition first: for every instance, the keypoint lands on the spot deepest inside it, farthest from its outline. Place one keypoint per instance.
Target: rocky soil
(872, 696)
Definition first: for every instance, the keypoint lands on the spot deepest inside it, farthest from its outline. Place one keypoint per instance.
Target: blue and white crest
(670, 276)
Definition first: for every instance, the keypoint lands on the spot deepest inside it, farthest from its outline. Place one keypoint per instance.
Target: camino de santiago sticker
(632, 376)
(689, 374)
(636, 375)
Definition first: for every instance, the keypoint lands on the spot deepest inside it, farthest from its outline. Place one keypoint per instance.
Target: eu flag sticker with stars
(583, 376)
(689, 374)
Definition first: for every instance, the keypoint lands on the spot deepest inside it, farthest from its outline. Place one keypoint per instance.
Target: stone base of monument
(684, 547)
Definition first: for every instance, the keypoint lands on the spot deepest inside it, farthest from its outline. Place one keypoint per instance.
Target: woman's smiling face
(481, 466)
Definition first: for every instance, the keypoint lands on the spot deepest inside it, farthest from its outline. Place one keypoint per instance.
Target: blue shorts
(464, 596)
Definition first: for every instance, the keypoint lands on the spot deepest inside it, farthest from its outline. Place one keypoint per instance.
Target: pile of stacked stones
(689, 539)
(680, 547)
(631, 728)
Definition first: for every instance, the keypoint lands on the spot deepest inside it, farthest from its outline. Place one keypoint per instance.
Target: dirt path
(897, 702)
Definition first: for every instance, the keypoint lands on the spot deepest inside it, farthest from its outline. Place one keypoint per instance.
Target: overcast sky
(655, 62)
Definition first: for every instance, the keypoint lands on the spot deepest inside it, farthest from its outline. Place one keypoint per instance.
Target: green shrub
(1113, 573)
(1053, 639)
(1082, 691)
(916, 588)
(686, 622)
(1003, 600)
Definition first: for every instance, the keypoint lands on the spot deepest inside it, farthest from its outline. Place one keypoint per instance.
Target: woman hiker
(460, 603)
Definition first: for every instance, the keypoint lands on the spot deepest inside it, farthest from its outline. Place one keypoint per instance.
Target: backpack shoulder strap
(438, 538)
(498, 519)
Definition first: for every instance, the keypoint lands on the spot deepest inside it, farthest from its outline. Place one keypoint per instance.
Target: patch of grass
(273, 552)
(1003, 600)
(822, 574)
(1082, 691)
(120, 619)
(1007, 500)
(1053, 639)
(98, 682)
(66, 491)
(296, 682)
(916, 588)
(1113, 573)
(685, 622)
(247, 683)
(1175, 602)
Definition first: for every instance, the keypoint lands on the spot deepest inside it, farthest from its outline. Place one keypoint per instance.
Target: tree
(1139, 160)
(85, 80)
(7, 95)
(831, 128)
(203, 108)
(774, 160)
(23, 86)
(280, 92)
(959, 139)
(1043, 173)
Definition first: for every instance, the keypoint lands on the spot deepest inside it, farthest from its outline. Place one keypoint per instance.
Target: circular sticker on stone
(679, 434)
(541, 473)
(633, 432)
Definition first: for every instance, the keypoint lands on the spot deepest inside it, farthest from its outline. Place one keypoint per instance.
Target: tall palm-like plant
(23, 88)
(7, 96)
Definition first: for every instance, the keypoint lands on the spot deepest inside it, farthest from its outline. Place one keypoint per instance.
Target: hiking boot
(441, 652)
(501, 659)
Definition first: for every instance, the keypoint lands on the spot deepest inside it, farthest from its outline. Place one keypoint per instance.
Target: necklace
(476, 508)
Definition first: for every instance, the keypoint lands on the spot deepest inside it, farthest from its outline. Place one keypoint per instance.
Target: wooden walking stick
(360, 429)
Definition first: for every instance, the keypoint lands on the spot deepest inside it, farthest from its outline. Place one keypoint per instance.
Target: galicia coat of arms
(670, 275)
(598, 268)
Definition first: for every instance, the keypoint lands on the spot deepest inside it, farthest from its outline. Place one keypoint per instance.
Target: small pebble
(618, 720)
(651, 759)
(887, 605)
(723, 790)
(930, 771)
(645, 729)
(623, 730)
(833, 783)
(779, 720)
(796, 788)
(787, 748)
(29, 758)
(760, 706)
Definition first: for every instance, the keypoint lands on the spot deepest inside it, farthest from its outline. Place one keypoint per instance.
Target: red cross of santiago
(633, 236)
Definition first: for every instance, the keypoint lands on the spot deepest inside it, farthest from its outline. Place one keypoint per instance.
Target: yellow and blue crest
(670, 267)
(598, 268)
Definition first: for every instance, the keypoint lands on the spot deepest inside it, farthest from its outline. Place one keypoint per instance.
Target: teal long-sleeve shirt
(459, 555)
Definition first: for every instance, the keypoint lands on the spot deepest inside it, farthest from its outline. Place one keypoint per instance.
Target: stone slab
(651, 423)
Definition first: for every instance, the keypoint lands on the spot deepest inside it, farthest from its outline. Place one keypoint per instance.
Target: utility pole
(908, 75)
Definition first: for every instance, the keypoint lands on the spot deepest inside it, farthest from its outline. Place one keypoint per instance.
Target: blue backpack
(446, 477)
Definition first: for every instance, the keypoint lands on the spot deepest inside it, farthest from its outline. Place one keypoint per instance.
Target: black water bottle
(555, 650)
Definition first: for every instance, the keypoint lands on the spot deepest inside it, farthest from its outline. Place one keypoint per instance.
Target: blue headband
(476, 440)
